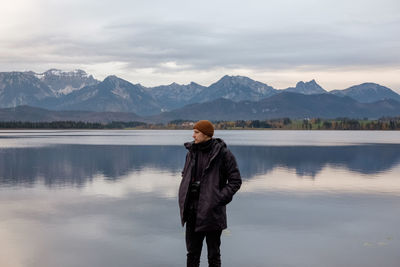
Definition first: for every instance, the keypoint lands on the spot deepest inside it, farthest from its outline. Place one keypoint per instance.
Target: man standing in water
(210, 178)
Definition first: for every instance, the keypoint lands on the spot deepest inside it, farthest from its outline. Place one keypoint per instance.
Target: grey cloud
(200, 47)
(145, 45)
(227, 35)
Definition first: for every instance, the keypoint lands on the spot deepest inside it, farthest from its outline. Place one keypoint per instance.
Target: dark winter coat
(219, 181)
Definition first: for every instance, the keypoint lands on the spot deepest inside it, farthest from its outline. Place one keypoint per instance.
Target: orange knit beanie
(205, 127)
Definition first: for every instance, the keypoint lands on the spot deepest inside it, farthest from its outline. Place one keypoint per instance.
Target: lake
(109, 198)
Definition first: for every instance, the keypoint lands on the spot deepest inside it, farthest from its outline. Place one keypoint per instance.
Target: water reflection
(115, 205)
(310, 160)
(79, 164)
(69, 228)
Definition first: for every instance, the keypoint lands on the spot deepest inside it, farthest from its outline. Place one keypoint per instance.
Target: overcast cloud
(338, 43)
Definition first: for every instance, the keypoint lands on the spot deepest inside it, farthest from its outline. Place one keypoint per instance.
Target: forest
(277, 124)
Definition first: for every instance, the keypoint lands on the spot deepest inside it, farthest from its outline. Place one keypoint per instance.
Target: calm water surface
(109, 198)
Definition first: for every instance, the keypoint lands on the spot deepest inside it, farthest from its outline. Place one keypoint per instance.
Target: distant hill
(235, 88)
(368, 93)
(17, 88)
(285, 104)
(113, 94)
(32, 114)
(175, 95)
(64, 83)
(306, 88)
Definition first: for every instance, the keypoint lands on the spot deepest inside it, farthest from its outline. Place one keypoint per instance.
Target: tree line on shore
(69, 125)
(305, 124)
(282, 124)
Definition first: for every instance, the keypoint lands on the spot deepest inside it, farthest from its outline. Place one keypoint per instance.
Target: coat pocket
(218, 198)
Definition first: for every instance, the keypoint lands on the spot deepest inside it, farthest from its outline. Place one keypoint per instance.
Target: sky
(338, 43)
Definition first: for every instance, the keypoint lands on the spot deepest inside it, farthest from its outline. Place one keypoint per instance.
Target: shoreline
(384, 124)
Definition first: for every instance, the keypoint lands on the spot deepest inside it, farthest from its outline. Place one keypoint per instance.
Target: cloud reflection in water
(114, 205)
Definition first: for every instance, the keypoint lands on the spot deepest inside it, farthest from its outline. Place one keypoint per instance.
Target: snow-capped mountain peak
(65, 82)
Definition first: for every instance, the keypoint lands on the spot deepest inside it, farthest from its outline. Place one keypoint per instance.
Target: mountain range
(285, 104)
(230, 98)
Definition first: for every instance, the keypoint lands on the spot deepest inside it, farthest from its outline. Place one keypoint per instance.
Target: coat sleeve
(186, 164)
(232, 175)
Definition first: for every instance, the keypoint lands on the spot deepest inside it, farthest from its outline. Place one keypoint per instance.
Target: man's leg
(213, 240)
(194, 244)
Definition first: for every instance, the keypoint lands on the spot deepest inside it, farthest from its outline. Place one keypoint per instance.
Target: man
(210, 178)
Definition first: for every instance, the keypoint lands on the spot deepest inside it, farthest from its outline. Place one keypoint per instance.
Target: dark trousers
(194, 244)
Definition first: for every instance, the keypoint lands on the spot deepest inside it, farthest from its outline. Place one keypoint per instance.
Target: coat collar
(217, 145)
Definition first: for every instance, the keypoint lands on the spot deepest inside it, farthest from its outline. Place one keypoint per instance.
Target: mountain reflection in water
(79, 164)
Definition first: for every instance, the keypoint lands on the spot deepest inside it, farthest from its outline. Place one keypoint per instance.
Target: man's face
(199, 136)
